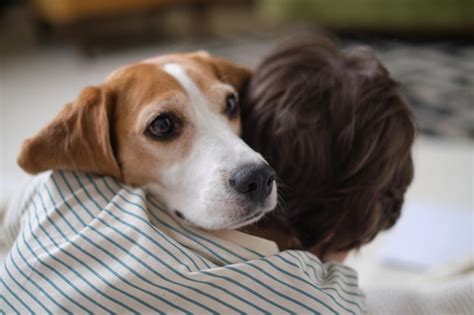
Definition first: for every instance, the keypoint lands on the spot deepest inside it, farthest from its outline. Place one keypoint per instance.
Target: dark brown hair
(334, 126)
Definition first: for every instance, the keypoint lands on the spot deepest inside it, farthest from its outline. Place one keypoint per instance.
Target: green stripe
(16, 296)
(81, 262)
(97, 260)
(339, 286)
(30, 280)
(64, 264)
(124, 265)
(287, 284)
(46, 278)
(318, 288)
(327, 294)
(8, 303)
(54, 270)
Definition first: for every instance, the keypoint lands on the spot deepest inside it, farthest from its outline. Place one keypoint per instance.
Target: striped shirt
(93, 245)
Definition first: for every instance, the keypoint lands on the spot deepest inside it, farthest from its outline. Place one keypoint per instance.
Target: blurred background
(51, 49)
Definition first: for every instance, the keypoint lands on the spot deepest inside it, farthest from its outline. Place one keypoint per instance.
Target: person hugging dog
(333, 125)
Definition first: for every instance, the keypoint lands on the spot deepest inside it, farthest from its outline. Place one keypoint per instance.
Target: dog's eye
(231, 105)
(162, 126)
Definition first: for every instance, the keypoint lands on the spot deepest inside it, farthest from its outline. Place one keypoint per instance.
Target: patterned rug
(438, 81)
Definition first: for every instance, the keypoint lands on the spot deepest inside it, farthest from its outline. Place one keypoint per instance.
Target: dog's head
(169, 124)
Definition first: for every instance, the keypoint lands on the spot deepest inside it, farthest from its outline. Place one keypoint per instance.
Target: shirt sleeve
(93, 245)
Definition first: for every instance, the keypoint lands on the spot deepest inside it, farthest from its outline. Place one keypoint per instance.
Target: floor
(37, 80)
(444, 172)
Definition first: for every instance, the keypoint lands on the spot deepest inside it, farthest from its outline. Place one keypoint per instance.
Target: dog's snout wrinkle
(255, 181)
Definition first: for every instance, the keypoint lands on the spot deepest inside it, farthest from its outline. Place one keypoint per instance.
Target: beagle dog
(171, 125)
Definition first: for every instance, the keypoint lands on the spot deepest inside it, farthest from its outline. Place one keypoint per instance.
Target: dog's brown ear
(228, 72)
(78, 139)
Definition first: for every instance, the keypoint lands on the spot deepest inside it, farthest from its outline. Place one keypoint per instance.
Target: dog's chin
(231, 224)
(237, 214)
(247, 220)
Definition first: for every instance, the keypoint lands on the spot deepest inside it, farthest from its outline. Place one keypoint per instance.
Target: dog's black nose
(254, 180)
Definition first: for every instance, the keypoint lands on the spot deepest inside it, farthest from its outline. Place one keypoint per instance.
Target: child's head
(333, 125)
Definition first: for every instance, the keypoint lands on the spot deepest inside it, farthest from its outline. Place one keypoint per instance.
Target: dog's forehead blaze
(204, 77)
(214, 90)
(142, 83)
(201, 70)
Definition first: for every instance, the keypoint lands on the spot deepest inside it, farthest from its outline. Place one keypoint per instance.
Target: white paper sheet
(429, 235)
